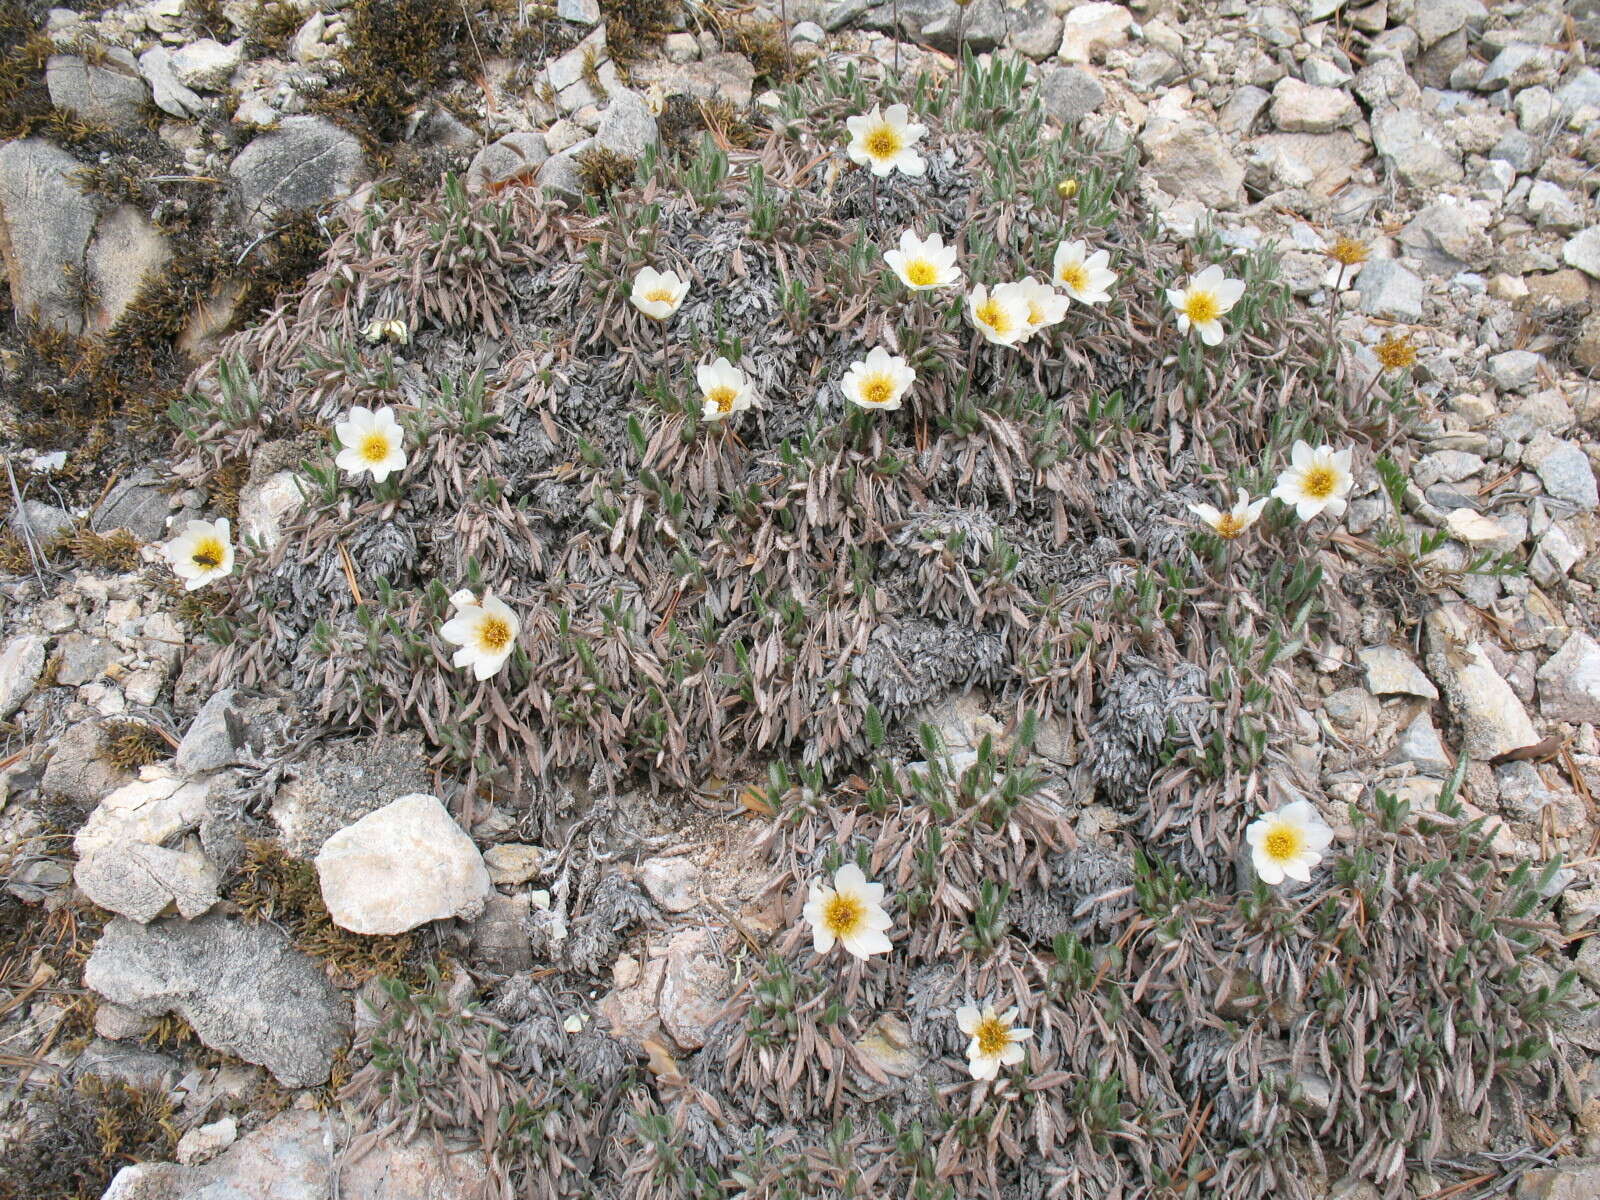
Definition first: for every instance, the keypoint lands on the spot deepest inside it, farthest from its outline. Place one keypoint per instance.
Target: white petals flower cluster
(201, 554)
(658, 294)
(1288, 843)
(485, 630)
(724, 390)
(924, 263)
(878, 381)
(1317, 481)
(849, 914)
(885, 140)
(1203, 301)
(1232, 523)
(372, 442)
(995, 1038)
(1083, 276)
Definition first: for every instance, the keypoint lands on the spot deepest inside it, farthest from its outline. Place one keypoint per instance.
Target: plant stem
(961, 21)
(894, 32)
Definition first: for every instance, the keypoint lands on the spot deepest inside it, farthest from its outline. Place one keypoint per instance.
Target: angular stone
(108, 91)
(83, 659)
(242, 988)
(1515, 370)
(511, 863)
(1069, 93)
(1389, 290)
(1321, 163)
(1420, 745)
(215, 737)
(1569, 683)
(405, 865)
(156, 806)
(1435, 20)
(1563, 468)
(628, 128)
(1390, 671)
(694, 987)
(303, 164)
(265, 506)
(45, 225)
(1414, 148)
(1301, 108)
(1089, 30)
(1190, 161)
(1493, 720)
(671, 882)
(1582, 250)
(21, 664)
(134, 504)
(169, 92)
(206, 64)
(141, 882)
(514, 158)
(1450, 236)
(80, 768)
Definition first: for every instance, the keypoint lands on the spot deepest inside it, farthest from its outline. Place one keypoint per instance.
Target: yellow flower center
(660, 295)
(883, 142)
(722, 398)
(993, 1037)
(1348, 252)
(375, 447)
(208, 554)
(1396, 353)
(1074, 277)
(843, 915)
(878, 389)
(494, 635)
(921, 272)
(993, 314)
(1283, 844)
(1229, 526)
(1318, 483)
(1035, 313)
(1201, 307)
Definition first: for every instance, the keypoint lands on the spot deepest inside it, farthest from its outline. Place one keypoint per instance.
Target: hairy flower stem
(788, 42)
(872, 188)
(894, 32)
(961, 21)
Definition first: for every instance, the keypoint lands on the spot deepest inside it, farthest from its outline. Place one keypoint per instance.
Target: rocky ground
(212, 978)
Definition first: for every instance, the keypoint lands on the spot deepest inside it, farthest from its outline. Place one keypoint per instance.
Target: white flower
(1043, 304)
(485, 630)
(395, 331)
(1201, 304)
(924, 264)
(877, 381)
(994, 1039)
(1231, 524)
(201, 553)
(1288, 843)
(1316, 481)
(1081, 275)
(372, 441)
(724, 390)
(658, 294)
(886, 141)
(850, 913)
(1001, 315)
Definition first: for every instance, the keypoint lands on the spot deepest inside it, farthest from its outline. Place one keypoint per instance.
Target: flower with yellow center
(1396, 352)
(1230, 524)
(1044, 305)
(1081, 275)
(1203, 301)
(485, 630)
(1315, 481)
(924, 263)
(724, 390)
(392, 331)
(886, 141)
(1001, 315)
(1286, 844)
(201, 553)
(849, 913)
(994, 1037)
(1348, 252)
(658, 294)
(372, 441)
(877, 381)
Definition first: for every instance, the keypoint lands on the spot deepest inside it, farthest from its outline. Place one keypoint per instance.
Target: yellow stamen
(993, 314)
(1201, 307)
(878, 389)
(1074, 277)
(659, 296)
(208, 554)
(375, 447)
(883, 142)
(1318, 483)
(1229, 526)
(921, 272)
(1396, 353)
(1348, 252)
(721, 398)
(993, 1037)
(843, 915)
(1282, 844)
(494, 635)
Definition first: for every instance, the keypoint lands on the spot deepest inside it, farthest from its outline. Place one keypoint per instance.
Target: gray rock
(1035, 31)
(1390, 671)
(303, 164)
(511, 863)
(207, 65)
(400, 867)
(627, 128)
(671, 882)
(1517, 149)
(1554, 556)
(45, 226)
(168, 91)
(1089, 30)
(83, 658)
(127, 250)
(1435, 20)
(694, 987)
(500, 936)
(216, 737)
(1389, 290)
(983, 29)
(1190, 161)
(107, 92)
(1450, 236)
(21, 664)
(1415, 148)
(153, 808)
(1519, 66)
(1301, 108)
(1563, 468)
(44, 523)
(722, 75)
(1515, 370)
(559, 177)
(809, 32)
(340, 782)
(1582, 90)
(1493, 720)
(1569, 683)
(1583, 251)
(1571, 1179)
(242, 988)
(80, 768)
(517, 156)
(1419, 744)
(132, 1065)
(134, 504)
(1069, 93)
(1244, 108)
(844, 12)
(141, 882)
(1554, 207)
